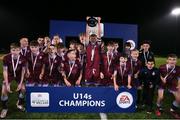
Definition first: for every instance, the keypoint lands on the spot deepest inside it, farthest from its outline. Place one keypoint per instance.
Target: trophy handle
(133, 44)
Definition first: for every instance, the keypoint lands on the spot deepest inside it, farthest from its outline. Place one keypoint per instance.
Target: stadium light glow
(176, 11)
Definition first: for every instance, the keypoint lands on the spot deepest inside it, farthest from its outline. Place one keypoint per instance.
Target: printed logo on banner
(39, 99)
(124, 100)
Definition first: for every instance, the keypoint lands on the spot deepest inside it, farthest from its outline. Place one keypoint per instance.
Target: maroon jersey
(52, 67)
(62, 56)
(65, 57)
(92, 62)
(82, 60)
(35, 64)
(72, 71)
(14, 72)
(171, 74)
(25, 52)
(116, 57)
(136, 66)
(122, 74)
(77, 54)
(107, 68)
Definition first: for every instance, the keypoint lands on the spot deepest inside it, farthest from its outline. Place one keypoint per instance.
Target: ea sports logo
(124, 100)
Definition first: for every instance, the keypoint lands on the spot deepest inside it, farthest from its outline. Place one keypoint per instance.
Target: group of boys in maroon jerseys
(44, 63)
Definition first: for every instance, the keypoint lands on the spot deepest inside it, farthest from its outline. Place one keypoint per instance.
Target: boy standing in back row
(107, 66)
(145, 53)
(35, 65)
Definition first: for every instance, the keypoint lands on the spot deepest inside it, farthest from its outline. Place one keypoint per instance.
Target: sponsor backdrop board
(111, 30)
(80, 99)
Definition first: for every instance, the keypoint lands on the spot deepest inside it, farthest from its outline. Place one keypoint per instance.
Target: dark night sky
(31, 18)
